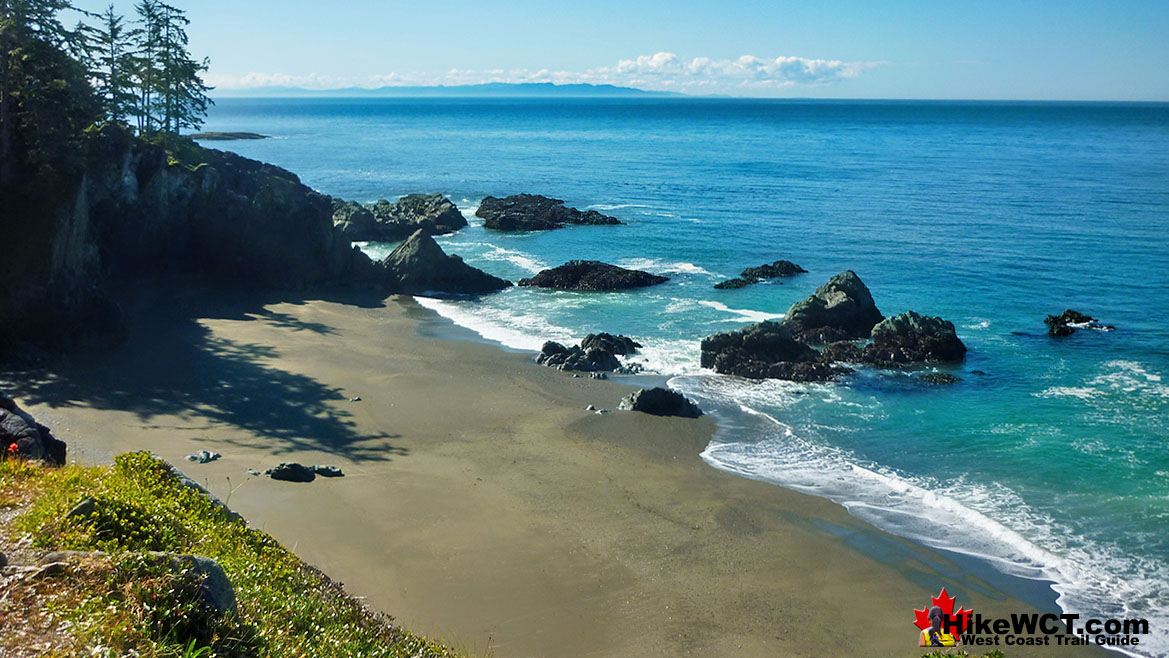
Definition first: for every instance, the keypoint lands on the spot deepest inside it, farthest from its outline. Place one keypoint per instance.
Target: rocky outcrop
(1066, 323)
(592, 275)
(555, 355)
(387, 221)
(762, 351)
(778, 269)
(419, 266)
(132, 210)
(913, 338)
(841, 309)
(532, 212)
(660, 402)
(615, 344)
(939, 379)
(21, 437)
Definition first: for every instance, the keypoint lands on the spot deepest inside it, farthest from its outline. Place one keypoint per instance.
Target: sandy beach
(481, 503)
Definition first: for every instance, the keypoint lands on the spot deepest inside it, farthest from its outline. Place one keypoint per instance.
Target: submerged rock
(841, 309)
(291, 472)
(913, 338)
(940, 379)
(592, 275)
(24, 438)
(532, 212)
(1066, 323)
(778, 269)
(763, 350)
(660, 402)
(420, 266)
(615, 344)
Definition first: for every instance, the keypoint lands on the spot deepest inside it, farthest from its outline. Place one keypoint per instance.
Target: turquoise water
(1053, 465)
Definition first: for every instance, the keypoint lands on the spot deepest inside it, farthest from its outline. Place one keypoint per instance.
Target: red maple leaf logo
(946, 603)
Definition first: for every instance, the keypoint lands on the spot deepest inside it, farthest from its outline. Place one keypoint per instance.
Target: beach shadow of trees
(173, 365)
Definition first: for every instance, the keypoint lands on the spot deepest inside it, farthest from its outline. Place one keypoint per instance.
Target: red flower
(13, 447)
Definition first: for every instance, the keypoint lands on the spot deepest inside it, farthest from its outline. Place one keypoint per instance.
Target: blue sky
(888, 49)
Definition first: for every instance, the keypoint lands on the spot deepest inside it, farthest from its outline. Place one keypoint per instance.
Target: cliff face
(136, 210)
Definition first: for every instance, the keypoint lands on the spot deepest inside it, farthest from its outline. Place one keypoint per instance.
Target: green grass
(135, 603)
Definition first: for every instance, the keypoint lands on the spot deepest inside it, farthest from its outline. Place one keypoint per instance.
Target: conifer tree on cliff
(45, 96)
(171, 93)
(112, 49)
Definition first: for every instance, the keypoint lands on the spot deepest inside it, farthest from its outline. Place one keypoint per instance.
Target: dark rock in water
(841, 309)
(24, 438)
(615, 344)
(555, 355)
(419, 266)
(842, 350)
(980, 373)
(327, 471)
(592, 275)
(733, 284)
(756, 351)
(1066, 323)
(432, 213)
(939, 379)
(291, 472)
(913, 338)
(203, 456)
(660, 402)
(387, 221)
(780, 268)
(531, 212)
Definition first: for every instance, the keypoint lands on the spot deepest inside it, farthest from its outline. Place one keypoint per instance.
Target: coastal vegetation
(116, 593)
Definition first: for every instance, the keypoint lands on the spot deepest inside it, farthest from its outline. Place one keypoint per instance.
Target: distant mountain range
(488, 90)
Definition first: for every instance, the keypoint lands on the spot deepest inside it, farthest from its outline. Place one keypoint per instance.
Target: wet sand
(481, 503)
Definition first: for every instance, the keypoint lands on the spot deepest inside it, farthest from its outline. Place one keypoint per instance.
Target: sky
(1034, 50)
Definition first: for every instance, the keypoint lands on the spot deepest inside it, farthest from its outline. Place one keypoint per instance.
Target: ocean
(1049, 459)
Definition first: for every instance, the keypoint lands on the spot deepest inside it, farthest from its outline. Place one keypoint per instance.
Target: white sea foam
(521, 331)
(514, 257)
(743, 313)
(615, 206)
(659, 266)
(1088, 578)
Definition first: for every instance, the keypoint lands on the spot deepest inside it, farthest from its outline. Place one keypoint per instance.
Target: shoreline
(545, 529)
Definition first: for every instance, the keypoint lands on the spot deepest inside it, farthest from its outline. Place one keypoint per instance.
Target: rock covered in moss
(841, 309)
(913, 338)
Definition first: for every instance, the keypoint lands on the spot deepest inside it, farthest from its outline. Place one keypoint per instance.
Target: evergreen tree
(45, 96)
(112, 48)
(171, 92)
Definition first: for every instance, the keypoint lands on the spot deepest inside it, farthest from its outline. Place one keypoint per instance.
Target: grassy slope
(130, 603)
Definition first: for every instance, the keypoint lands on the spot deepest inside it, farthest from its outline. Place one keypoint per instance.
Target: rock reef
(592, 275)
(1066, 323)
(420, 266)
(841, 309)
(751, 275)
(532, 212)
(387, 221)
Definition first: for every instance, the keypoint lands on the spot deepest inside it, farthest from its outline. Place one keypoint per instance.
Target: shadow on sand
(172, 365)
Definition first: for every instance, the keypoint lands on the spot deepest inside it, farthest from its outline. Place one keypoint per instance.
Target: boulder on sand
(532, 212)
(764, 350)
(576, 358)
(913, 338)
(24, 438)
(660, 402)
(420, 266)
(840, 309)
(592, 275)
(291, 472)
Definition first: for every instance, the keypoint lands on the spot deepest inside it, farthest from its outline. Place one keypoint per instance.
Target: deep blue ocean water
(1053, 465)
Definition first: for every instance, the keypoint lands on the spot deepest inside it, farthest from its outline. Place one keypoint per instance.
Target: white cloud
(745, 75)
